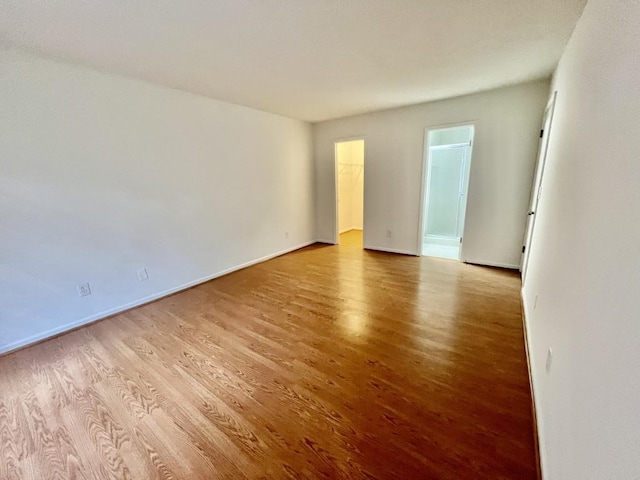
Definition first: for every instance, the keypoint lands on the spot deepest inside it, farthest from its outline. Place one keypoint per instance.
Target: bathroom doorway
(447, 165)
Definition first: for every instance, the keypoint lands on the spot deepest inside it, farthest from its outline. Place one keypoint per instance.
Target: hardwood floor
(330, 362)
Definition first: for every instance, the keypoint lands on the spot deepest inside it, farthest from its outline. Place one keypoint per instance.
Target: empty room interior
(361, 239)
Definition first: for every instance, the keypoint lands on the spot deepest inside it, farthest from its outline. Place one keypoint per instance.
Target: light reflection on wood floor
(330, 362)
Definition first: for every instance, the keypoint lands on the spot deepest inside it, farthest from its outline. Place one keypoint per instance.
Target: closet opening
(349, 157)
(445, 183)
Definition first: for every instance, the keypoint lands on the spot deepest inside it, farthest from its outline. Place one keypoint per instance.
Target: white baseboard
(25, 342)
(510, 266)
(539, 432)
(391, 250)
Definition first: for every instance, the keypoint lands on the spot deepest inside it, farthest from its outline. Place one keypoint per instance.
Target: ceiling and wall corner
(307, 59)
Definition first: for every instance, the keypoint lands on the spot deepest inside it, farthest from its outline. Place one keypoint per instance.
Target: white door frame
(336, 173)
(536, 186)
(424, 189)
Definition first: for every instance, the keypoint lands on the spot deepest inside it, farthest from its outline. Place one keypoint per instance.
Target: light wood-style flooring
(330, 362)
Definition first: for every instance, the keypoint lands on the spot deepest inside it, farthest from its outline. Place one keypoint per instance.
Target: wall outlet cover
(143, 274)
(84, 289)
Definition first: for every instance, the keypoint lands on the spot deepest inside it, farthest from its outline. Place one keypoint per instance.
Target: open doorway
(448, 161)
(349, 191)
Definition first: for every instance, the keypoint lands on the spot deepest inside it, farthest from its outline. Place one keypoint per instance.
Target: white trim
(511, 266)
(424, 189)
(4, 349)
(536, 405)
(349, 230)
(391, 250)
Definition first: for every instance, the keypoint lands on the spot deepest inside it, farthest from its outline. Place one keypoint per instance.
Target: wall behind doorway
(507, 124)
(442, 216)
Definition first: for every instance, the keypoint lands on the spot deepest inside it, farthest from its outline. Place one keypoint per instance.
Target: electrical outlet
(549, 359)
(388, 233)
(84, 289)
(286, 234)
(142, 274)
(535, 302)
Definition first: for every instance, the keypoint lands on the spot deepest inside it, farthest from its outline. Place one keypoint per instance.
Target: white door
(536, 189)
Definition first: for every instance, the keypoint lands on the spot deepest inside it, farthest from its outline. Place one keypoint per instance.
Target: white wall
(585, 255)
(350, 157)
(506, 141)
(101, 175)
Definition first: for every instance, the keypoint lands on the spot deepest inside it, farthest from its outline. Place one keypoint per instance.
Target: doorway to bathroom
(447, 165)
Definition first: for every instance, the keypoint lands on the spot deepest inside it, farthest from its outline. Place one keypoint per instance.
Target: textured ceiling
(308, 59)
